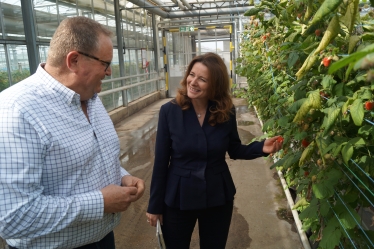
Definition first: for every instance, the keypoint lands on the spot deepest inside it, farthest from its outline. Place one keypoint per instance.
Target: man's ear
(72, 60)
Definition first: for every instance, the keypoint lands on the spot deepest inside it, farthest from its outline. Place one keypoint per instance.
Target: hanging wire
(357, 187)
(358, 224)
(349, 237)
(340, 245)
(359, 179)
(365, 173)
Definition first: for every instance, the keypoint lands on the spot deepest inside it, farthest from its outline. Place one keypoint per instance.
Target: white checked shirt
(53, 163)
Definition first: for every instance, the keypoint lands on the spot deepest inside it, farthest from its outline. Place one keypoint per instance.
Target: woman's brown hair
(219, 88)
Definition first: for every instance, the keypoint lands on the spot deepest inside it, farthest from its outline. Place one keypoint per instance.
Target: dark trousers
(106, 243)
(214, 224)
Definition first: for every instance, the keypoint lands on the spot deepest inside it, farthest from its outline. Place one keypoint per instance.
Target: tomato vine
(310, 74)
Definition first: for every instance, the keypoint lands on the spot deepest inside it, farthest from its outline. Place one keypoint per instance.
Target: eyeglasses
(107, 63)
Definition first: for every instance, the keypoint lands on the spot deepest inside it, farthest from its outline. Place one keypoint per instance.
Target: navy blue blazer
(190, 170)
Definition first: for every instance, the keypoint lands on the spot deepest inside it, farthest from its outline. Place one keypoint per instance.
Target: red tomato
(305, 143)
(306, 173)
(369, 105)
(326, 61)
(318, 32)
(280, 139)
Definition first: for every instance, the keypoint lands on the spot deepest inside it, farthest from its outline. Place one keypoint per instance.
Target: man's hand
(118, 198)
(132, 181)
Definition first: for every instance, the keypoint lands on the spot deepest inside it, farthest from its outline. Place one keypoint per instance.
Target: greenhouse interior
(305, 66)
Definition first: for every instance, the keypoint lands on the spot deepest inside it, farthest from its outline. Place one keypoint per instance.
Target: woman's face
(198, 82)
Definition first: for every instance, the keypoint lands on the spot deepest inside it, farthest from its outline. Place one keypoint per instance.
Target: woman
(191, 180)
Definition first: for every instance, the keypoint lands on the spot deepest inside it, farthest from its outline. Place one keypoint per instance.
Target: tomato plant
(316, 86)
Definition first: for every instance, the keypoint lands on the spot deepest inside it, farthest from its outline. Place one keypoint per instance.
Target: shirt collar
(67, 94)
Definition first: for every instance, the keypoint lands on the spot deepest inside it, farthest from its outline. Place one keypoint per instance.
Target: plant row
(310, 70)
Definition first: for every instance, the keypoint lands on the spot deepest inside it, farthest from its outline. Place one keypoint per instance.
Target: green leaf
(330, 118)
(365, 63)
(282, 161)
(268, 124)
(357, 141)
(328, 81)
(300, 135)
(311, 211)
(368, 36)
(330, 235)
(350, 197)
(322, 190)
(283, 121)
(301, 203)
(322, 143)
(253, 11)
(346, 218)
(350, 59)
(366, 93)
(293, 57)
(368, 28)
(313, 101)
(357, 112)
(324, 208)
(353, 40)
(338, 149)
(304, 109)
(347, 152)
(307, 153)
(339, 89)
(332, 177)
(292, 160)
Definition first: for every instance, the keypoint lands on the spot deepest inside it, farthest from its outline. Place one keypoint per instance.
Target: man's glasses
(107, 63)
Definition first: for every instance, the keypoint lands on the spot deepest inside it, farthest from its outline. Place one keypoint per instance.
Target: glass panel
(13, 20)
(84, 8)
(4, 78)
(43, 53)
(115, 64)
(133, 62)
(66, 10)
(101, 19)
(46, 19)
(19, 63)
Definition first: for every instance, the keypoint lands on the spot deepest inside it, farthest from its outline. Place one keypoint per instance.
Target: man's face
(95, 69)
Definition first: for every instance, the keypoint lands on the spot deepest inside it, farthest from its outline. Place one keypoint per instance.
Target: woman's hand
(273, 144)
(152, 219)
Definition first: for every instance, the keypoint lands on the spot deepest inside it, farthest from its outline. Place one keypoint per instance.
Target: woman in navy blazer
(191, 180)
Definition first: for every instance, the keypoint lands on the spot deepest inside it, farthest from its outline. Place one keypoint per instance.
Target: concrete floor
(255, 223)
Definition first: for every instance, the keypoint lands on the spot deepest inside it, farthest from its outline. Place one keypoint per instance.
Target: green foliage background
(319, 108)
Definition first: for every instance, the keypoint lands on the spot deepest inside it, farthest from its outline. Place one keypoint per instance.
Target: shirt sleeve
(24, 210)
(123, 171)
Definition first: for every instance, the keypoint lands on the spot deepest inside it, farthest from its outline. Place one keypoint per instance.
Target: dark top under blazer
(190, 170)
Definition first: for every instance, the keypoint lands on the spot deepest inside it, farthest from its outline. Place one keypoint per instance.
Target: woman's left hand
(272, 145)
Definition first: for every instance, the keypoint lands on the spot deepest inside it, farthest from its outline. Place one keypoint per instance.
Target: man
(61, 181)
